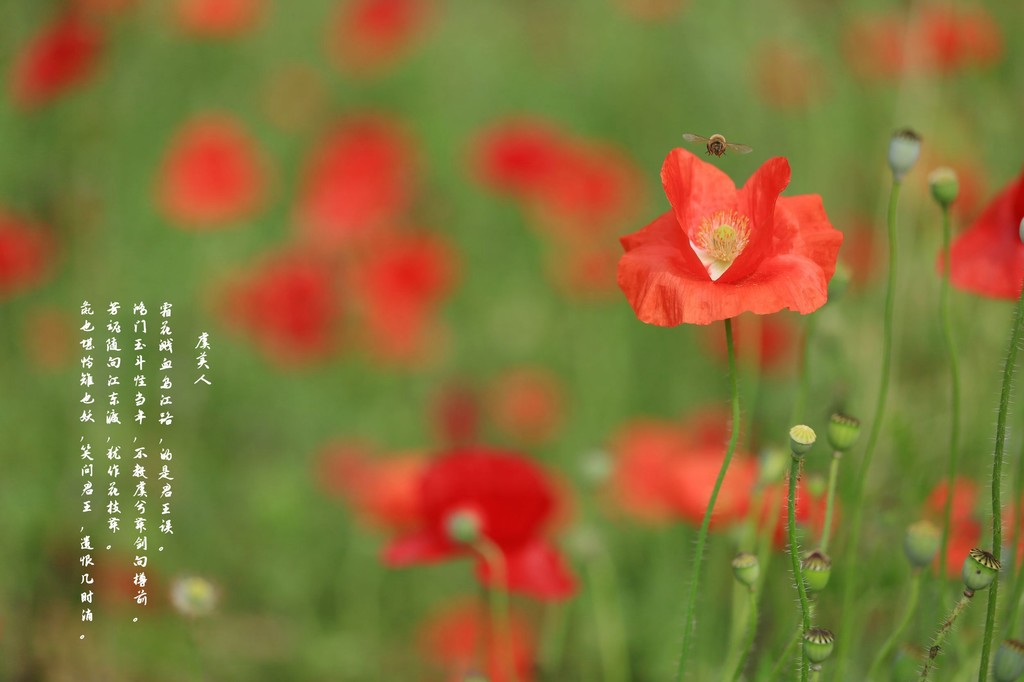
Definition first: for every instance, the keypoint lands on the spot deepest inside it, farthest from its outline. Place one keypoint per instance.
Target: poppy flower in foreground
(722, 251)
(455, 637)
(988, 258)
(62, 55)
(213, 174)
(511, 499)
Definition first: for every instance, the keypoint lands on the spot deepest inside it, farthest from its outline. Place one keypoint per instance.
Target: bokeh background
(399, 222)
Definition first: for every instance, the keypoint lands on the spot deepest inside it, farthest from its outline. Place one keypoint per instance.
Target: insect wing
(690, 137)
(739, 148)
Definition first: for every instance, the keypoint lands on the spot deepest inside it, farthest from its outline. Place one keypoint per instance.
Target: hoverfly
(716, 144)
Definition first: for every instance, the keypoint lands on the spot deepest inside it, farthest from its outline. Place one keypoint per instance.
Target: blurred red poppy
(400, 281)
(965, 524)
(382, 491)
(513, 500)
(527, 404)
(212, 174)
(455, 412)
(810, 512)
(517, 156)
(369, 36)
(766, 341)
(874, 46)
(988, 258)
(668, 469)
(218, 18)
(26, 254)
(722, 251)
(289, 306)
(455, 637)
(358, 180)
(63, 54)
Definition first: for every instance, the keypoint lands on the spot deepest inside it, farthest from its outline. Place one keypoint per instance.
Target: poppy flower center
(720, 240)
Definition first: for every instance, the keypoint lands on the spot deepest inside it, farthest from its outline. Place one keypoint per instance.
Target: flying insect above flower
(716, 144)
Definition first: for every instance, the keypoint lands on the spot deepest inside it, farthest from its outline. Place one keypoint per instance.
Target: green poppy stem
(997, 480)
(830, 500)
(748, 642)
(608, 621)
(897, 633)
(856, 504)
(1013, 608)
(497, 597)
(702, 534)
(794, 554)
(944, 630)
(797, 416)
(954, 426)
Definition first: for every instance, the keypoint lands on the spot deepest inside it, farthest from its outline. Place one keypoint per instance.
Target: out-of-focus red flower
(517, 156)
(786, 77)
(26, 254)
(860, 250)
(988, 258)
(965, 525)
(218, 18)
(652, 10)
(810, 511)
(114, 582)
(766, 341)
(358, 180)
(455, 413)
(874, 46)
(585, 269)
(212, 174)
(668, 469)
(369, 36)
(722, 251)
(454, 639)
(62, 55)
(513, 501)
(382, 491)
(49, 338)
(401, 279)
(527, 404)
(289, 306)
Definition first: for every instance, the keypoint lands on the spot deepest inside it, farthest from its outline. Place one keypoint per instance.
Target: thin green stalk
(852, 553)
(794, 554)
(702, 534)
(944, 630)
(997, 480)
(897, 633)
(954, 425)
(797, 417)
(830, 500)
(611, 631)
(497, 597)
(748, 643)
(1013, 608)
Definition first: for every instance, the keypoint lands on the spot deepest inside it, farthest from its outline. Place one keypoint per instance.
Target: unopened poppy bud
(1009, 661)
(464, 526)
(980, 569)
(843, 432)
(921, 543)
(801, 438)
(774, 464)
(944, 185)
(193, 596)
(746, 568)
(839, 282)
(817, 568)
(904, 148)
(818, 644)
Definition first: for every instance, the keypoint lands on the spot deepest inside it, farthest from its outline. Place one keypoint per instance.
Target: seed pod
(817, 568)
(980, 569)
(801, 438)
(1009, 662)
(843, 431)
(818, 644)
(746, 568)
(921, 543)
(463, 526)
(944, 185)
(904, 148)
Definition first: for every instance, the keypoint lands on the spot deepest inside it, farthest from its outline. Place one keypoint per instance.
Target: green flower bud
(840, 280)
(817, 568)
(921, 543)
(801, 438)
(818, 644)
(944, 185)
(1009, 662)
(774, 464)
(904, 148)
(746, 568)
(843, 431)
(980, 569)
(464, 526)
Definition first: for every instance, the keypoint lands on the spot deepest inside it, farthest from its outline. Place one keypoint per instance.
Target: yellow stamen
(720, 239)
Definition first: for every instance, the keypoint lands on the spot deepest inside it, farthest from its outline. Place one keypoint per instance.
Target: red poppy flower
(455, 637)
(289, 306)
(517, 156)
(382, 491)
(668, 469)
(218, 18)
(359, 179)
(722, 251)
(370, 35)
(988, 258)
(212, 174)
(958, 37)
(62, 55)
(401, 280)
(766, 342)
(527, 404)
(514, 502)
(26, 252)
